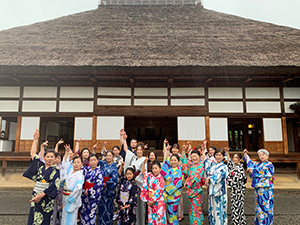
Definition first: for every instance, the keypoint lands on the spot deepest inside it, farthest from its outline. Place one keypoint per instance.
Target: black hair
(140, 144)
(133, 139)
(57, 154)
(112, 153)
(117, 147)
(85, 149)
(213, 147)
(238, 155)
(77, 157)
(196, 152)
(154, 155)
(156, 162)
(176, 156)
(132, 169)
(49, 151)
(92, 155)
(175, 145)
(220, 150)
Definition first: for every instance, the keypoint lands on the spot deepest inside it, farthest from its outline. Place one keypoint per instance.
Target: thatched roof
(150, 36)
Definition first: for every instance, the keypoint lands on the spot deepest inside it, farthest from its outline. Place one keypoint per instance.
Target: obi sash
(88, 185)
(39, 187)
(105, 179)
(66, 191)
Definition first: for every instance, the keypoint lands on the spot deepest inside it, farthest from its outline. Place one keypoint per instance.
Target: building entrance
(152, 130)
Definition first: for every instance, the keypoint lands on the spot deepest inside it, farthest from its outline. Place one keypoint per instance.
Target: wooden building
(180, 72)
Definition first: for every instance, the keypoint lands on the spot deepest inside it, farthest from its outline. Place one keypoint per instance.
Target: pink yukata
(153, 189)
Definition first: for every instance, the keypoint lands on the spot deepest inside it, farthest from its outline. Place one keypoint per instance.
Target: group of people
(124, 184)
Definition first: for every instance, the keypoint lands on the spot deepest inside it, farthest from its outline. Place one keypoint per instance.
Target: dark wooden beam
(209, 79)
(288, 79)
(93, 79)
(249, 78)
(54, 78)
(14, 78)
(131, 79)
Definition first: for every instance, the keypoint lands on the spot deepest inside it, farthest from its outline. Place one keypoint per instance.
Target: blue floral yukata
(106, 203)
(93, 184)
(262, 174)
(127, 195)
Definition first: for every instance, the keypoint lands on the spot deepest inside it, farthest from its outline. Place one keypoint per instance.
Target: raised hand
(166, 141)
(245, 151)
(125, 136)
(61, 141)
(227, 149)
(205, 142)
(145, 146)
(36, 134)
(104, 143)
(79, 140)
(169, 147)
(44, 144)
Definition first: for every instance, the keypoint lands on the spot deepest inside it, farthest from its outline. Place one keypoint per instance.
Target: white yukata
(73, 185)
(131, 160)
(217, 199)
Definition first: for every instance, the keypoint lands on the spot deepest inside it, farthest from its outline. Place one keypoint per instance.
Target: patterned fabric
(129, 189)
(173, 184)
(106, 203)
(217, 212)
(262, 174)
(194, 191)
(217, 200)
(264, 206)
(90, 202)
(236, 183)
(153, 188)
(42, 212)
(74, 183)
(132, 160)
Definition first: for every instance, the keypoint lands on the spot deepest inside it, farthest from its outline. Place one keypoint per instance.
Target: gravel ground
(14, 207)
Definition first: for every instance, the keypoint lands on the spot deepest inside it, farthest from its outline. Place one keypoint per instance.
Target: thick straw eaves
(150, 36)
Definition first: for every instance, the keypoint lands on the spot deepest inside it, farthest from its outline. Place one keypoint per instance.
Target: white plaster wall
(272, 129)
(191, 128)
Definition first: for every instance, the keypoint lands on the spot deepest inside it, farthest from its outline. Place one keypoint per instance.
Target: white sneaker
(115, 216)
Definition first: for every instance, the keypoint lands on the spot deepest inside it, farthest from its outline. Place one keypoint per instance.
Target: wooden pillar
(94, 132)
(0, 122)
(296, 138)
(18, 134)
(284, 136)
(207, 131)
(3, 169)
(298, 170)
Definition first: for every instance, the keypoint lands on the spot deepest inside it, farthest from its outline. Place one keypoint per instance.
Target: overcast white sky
(15, 13)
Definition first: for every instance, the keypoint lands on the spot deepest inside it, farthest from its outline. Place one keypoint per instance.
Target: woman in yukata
(172, 173)
(236, 182)
(193, 185)
(167, 155)
(262, 174)
(110, 178)
(92, 188)
(136, 160)
(57, 162)
(127, 196)
(152, 193)
(71, 173)
(46, 178)
(216, 182)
